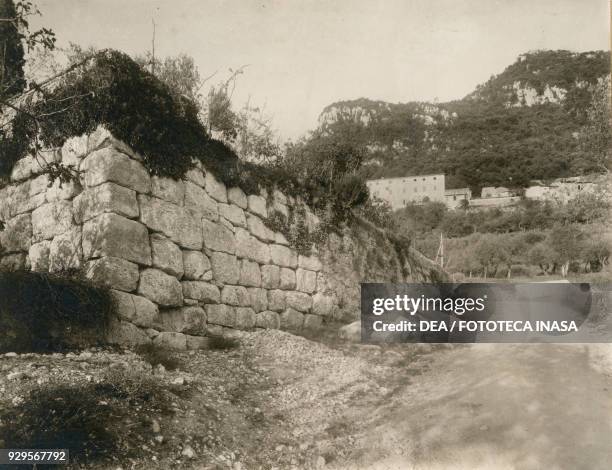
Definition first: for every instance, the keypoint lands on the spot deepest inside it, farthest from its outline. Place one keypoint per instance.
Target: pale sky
(304, 55)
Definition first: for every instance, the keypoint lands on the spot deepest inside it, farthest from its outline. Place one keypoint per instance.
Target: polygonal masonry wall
(184, 259)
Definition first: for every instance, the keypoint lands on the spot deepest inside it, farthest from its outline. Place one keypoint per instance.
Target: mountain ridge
(519, 125)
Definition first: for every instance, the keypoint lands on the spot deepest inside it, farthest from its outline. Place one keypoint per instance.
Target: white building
(399, 192)
(454, 197)
(563, 189)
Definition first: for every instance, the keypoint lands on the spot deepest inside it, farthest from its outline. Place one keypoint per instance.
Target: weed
(223, 343)
(156, 355)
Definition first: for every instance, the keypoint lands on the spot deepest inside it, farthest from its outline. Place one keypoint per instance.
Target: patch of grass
(156, 355)
(95, 421)
(223, 343)
(42, 312)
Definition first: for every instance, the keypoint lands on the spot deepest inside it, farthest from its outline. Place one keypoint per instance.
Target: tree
(11, 51)
(178, 72)
(542, 255)
(255, 139)
(566, 240)
(596, 253)
(15, 39)
(596, 136)
(490, 254)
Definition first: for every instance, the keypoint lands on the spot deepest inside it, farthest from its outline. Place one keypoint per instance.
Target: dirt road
(497, 407)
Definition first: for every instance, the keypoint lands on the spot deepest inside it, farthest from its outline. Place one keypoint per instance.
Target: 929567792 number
(33, 456)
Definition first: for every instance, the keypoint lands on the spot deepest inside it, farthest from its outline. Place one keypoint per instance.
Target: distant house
(496, 191)
(453, 197)
(563, 189)
(401, 191)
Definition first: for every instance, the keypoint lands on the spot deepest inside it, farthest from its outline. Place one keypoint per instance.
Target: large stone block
(168, 189)
(109, 165)
(257, 205)
(20, 200)
(258, 229)
(235, 295)
(160, 287)
(201, 291)
(322, 304)
(17, 234)
(220, 314)
(199, 203)
(166, 255)
(195, 264)
(5, 203)
(291, 320)
(247, 246)
(190, 320)
(215, 188)
(233, 213)
(135, 309)
(39, 256)
(26, 167)
(62, 191)
(280, 208)
(279, 197)
(268, 320)
(311, 263)
(306, 280)
(280, 239)
(270, 276)
(107, 197)
(245, 318)
(250, 274)
(171, 340)
(112, 272)
(74, 150)
(171, 220)
(126, 334)
(196, 175)
(113, 235)
(299, 301)
(287, 279)
(283, 256)
(51, 219)
(237, 196)
(277, 300)
(312, 322)
(218, 237)
(225, 268)
(38, 185)
(258, 298)
(66, 251)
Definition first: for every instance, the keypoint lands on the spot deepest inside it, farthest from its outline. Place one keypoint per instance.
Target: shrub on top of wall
(41, 312)
(112, 90)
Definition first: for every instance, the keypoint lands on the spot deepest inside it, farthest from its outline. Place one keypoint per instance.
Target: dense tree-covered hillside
(525, 123)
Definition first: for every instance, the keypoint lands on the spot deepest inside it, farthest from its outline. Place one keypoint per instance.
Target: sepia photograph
(305, 235)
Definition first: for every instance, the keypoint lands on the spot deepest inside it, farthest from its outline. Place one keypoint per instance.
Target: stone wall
(184, 259)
